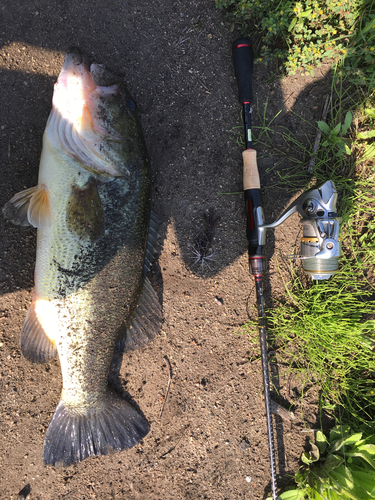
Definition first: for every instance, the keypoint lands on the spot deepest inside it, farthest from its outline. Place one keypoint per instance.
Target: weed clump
(340, 467)
(301, 35)
(202, 248)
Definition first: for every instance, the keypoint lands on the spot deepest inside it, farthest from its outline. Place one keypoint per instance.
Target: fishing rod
(243, 67)
(320, 246)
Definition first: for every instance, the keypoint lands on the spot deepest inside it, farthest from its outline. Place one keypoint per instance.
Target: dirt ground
(210, 441)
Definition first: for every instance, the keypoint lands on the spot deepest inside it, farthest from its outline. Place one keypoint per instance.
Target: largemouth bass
(95, 236)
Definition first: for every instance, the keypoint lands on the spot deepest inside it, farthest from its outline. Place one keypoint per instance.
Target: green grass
(340, 467)
(300, 35)
(322, 335)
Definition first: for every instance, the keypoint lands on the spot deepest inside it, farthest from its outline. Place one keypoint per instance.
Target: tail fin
(72, 437)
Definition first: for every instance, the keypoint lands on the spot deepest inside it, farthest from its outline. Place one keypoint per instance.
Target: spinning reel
(320, 244)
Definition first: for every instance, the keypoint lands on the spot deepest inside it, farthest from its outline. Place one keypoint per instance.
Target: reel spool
(320, 255)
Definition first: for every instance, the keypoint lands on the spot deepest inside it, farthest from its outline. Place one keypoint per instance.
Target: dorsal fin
(151, 242)
(145, 322)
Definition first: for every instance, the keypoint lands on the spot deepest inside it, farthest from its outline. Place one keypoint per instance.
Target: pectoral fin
(37, 343)
(29, 207)
(85, 215)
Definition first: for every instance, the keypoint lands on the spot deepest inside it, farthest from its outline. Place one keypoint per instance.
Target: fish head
(87, 120)
(76, 94)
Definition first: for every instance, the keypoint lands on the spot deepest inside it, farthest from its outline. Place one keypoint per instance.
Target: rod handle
(242, 52)
(250, 170)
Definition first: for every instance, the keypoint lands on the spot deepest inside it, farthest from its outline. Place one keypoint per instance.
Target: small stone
(248, 479)
(244, 445)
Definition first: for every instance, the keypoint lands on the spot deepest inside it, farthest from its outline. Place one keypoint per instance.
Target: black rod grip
(243, 60)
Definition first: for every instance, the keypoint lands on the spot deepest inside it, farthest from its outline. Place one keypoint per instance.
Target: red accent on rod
(242, 45)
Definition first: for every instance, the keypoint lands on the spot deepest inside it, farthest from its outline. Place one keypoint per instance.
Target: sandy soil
(210, 441)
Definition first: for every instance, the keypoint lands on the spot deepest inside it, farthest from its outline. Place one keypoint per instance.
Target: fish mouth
(81, 83)
(77, 57)
(78, 64)
(75, 74)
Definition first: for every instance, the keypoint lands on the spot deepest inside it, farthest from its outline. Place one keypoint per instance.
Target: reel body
(320, 244)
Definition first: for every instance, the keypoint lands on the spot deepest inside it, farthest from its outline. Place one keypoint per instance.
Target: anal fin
(37, 344)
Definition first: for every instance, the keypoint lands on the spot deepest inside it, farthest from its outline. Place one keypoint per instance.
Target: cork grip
(250, 170)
